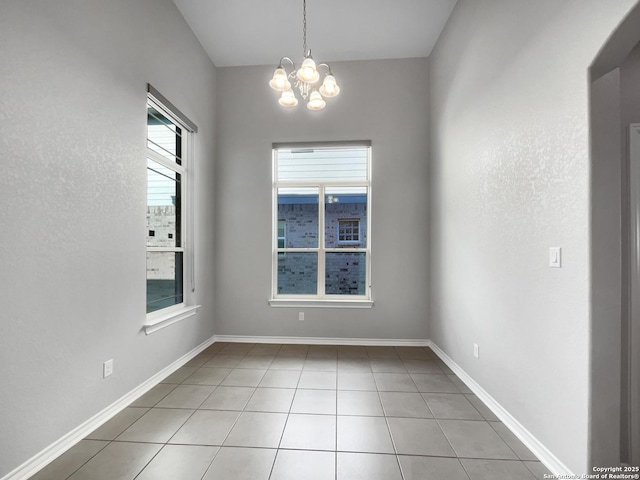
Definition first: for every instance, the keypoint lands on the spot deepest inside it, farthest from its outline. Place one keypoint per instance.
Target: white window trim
(165, 317)
(321, 300)
(320, 303)
(168, 316)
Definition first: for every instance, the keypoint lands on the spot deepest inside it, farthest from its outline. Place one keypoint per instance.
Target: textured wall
(249, 121)
(510, 178)
(73, 80)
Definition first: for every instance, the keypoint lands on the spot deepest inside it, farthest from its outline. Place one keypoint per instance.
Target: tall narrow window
(322, 195)
(167, 163)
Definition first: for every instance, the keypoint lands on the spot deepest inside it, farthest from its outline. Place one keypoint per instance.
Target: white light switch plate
(107, 368)
(555, 257)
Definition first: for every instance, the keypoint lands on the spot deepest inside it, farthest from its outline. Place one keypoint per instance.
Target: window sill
(310, 303)
(155, 323)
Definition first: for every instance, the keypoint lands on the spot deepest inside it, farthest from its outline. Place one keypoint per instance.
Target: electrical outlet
(476, 350)
(107, 368)
(301, 316)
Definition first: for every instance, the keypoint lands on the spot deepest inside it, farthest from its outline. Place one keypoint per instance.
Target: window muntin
(166, 211)
(319, 194)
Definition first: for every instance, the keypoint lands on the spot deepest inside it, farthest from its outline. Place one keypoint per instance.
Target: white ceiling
(259, 32)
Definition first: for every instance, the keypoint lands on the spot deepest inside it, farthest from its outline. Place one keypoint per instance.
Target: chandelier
(305, 78)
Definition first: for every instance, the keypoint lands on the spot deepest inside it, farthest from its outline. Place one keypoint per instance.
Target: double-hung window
(321, 224)
(168, 205)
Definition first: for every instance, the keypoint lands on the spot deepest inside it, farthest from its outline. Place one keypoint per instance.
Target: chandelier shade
(329, 87)
(279, 81)
(288, 99)
(307, 72)
(304, 78)
(315, 101)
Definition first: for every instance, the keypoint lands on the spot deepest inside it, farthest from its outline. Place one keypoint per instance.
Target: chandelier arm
(290, 61)
(324, 65)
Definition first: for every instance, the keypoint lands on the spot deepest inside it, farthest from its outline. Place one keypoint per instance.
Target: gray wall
(630, 113)
(606, 267)
(614, 104)
(381, 101)
(629, 80)
(510, 178)
(73, 80)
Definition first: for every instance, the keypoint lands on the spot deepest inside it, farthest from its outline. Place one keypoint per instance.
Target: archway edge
(618, 46)
(609, 435)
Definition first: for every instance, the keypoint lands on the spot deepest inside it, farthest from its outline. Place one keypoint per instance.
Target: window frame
(166, 316)
(321, 298)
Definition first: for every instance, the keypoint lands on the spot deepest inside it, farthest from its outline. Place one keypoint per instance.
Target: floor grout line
(310, 360)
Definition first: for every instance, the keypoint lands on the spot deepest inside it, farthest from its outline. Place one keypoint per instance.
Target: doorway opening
(615, 248)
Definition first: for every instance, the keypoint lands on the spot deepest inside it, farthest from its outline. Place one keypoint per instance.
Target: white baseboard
(532, 443)
(60, 446)
(371, 342)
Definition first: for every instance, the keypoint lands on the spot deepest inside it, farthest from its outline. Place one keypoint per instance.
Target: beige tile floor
(242, 411)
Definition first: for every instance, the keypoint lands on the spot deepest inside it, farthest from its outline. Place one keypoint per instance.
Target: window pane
(298, 273)
(282, 233)
(164, 280)
(298, 209)
(163, 136)
(163, 206)
(345, 273)
(322, 164)
(345, 217)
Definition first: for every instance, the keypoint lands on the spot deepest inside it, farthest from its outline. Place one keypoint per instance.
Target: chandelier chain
(304, 28)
